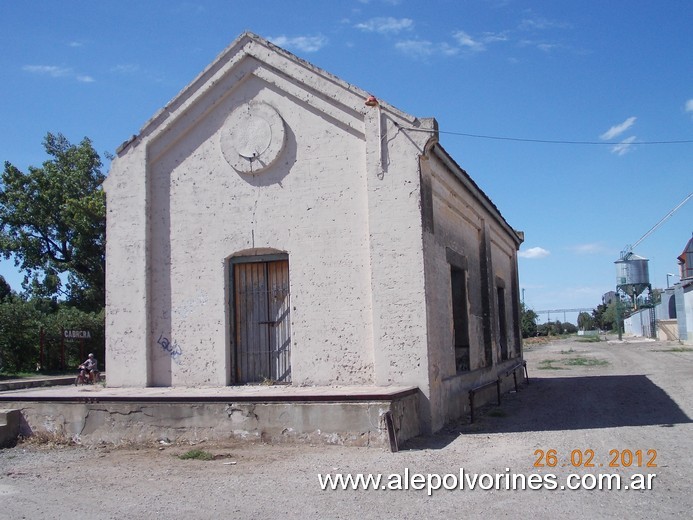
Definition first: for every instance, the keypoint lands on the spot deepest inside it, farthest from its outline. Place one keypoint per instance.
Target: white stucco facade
(265, 158)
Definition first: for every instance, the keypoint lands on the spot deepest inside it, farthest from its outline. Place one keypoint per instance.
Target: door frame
(233, 346)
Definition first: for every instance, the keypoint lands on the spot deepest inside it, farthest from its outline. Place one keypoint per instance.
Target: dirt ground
(589, 400)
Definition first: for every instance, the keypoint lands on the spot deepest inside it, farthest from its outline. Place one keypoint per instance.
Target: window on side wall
(502, 324)
(460, 318)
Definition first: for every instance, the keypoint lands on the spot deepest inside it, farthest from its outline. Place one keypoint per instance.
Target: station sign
(76, 334)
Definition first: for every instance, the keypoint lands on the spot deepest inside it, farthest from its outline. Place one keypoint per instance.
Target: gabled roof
(307, 82)
(687, 249)
(251, 55)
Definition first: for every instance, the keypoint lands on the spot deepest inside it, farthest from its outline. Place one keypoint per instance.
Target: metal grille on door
(262, 325)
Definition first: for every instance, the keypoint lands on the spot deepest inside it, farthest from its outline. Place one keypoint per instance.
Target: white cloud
(489, 37)
(465, 40)
(386, 25)
(48, 70)
(689, 106)
(75, 44)
(57, 72)
(624, 146)
(534, 252)
(126, 68)
(547, 47)
(617, 130)
(588, 249)
(302, 43)
(541, 24)
(448, 50)
(416, 48)
(425, 48)
(542, 45)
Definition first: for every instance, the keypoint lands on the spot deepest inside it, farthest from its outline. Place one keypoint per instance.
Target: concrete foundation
(352, 417)
(9, 427)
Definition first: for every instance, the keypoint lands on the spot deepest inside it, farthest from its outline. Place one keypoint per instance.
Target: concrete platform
(358, 416)
(10, 421)
(35, 382)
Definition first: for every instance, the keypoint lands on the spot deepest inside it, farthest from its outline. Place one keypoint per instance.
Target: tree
(26, 324)
(585, 321)
(5, 289)
(528, 321)
(53, 222)
(19, 335)
(605, 316)
(610, 317)
(569, 328)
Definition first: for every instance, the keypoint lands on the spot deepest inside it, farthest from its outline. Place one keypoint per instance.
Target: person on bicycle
(89, 366)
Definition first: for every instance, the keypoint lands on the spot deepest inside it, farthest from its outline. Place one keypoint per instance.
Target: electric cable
(548, 141)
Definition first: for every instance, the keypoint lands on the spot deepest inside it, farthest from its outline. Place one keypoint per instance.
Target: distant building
(683, 294)
(686, 261)
(275, 223)
(674, 313)
(609, 297)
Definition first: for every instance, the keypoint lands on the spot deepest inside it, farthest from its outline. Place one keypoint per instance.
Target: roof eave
(477, 192)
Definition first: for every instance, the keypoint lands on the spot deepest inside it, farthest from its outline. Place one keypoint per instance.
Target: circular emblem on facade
(253, 137)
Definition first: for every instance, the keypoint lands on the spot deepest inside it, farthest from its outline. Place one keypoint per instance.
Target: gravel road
(598, 401)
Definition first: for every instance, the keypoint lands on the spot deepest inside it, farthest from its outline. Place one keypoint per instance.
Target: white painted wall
(344, 209)
(459, 221)
(370, 287)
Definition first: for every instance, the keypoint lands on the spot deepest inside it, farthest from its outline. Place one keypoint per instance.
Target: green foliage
(20, 323)
(585, 321)
(610, 316)
(589, 339)
(196, 454)
(528, 322)
(556, 328)
(5, 289)
(585, 362)
(53, 222)
(675, 349)
(548, 364)
(569, 328)
(562, 364)
(605, 317)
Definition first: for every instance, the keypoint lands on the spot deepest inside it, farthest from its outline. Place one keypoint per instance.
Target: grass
(571, 351)
(581, 361)
(538, 340)
(586, 362)
(35, 375)
(589, 339)
(548, 364)
(196, 454)
(47, 439)
(675, 349)
(16, 375)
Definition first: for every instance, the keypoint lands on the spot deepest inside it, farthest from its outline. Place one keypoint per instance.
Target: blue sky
(615, 74)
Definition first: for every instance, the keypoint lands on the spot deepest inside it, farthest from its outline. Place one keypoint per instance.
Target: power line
(556, 141)
(550, 141)
(549, 311)
(663, 219)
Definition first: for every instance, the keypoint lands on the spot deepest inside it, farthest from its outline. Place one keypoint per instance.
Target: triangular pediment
(251, 56)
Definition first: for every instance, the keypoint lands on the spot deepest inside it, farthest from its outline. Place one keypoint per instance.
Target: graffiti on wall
(171, 347)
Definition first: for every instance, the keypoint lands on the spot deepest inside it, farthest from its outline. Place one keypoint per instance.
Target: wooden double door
(262, 331)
